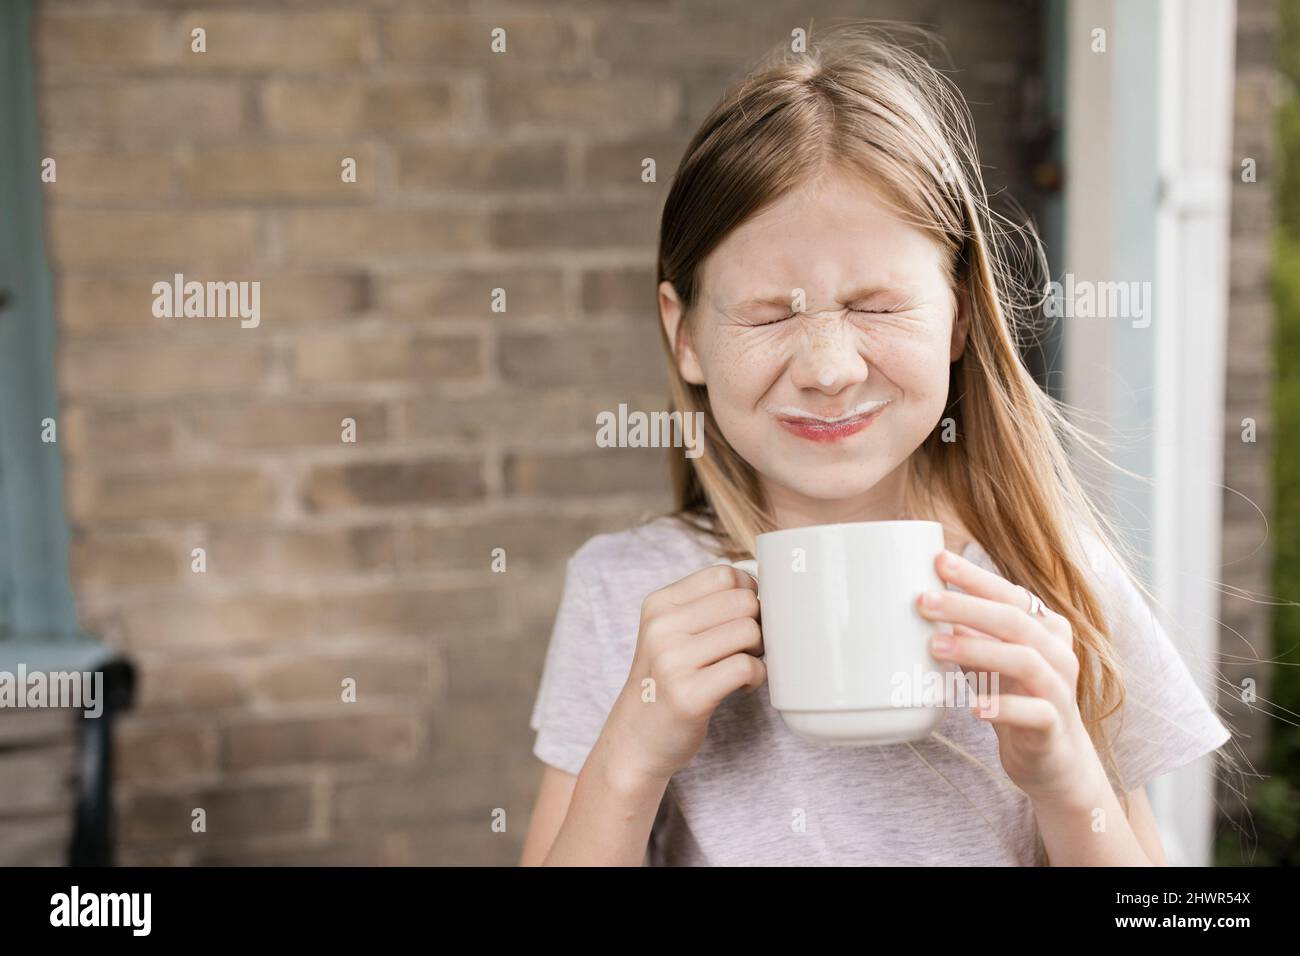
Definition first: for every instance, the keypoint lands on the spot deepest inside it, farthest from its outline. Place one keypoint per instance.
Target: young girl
(835, 300)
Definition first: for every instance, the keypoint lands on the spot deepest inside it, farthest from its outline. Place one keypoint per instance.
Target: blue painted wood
(34, 592)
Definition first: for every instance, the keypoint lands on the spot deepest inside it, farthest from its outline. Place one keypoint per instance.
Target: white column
(1148, 133)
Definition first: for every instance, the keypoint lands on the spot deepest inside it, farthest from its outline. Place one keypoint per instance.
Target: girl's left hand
(1042, 742)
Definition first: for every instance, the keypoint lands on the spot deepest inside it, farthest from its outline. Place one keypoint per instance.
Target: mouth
(828, 429)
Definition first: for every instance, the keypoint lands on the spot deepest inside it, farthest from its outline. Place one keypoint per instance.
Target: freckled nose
(827, 358)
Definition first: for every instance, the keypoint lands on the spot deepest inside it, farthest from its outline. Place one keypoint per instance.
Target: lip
(830, 430)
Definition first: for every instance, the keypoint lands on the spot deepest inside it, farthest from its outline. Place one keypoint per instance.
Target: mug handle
(748, 565)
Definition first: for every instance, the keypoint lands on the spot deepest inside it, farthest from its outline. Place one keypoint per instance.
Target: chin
(835, 482)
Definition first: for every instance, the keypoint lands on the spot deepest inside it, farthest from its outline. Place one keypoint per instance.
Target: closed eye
(792, 315)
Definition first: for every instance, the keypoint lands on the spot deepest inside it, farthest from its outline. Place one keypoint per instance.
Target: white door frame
(1148, 132)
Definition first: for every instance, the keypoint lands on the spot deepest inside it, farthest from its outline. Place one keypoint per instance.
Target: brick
(286, 424)
(41, 779)
(314, 297)
(467, 718)
(97, 431)
(666, 45)
(67, 44)
(262, 553)
(216, 491)
(117, 371)
(547, 42)
(481, 166)
(278, 173)
(334, 108)
(120, 305)
(154, 111)
(385, 675)
(630, 292)
(277, 620)
(387, 798)
(85, 237)
(1250, 263)
(359, 235)
(620, 163)
(278, 42)
(328, 488)
(156, 752)
(528, 540)
(40, 841)
(507, 415)
(168, 686)
(461, 843)
(617, 103)
(27, 728)
(531, 605)
(104, 564)
(600, 471)
(112, 304)
(452, 293)
(394, 356)
(516, 416)
(110, 177)
(576, 226)
(351, 737)
(232, 811)
(629, 359)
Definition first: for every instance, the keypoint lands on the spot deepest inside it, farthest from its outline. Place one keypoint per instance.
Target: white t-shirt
(756, 794)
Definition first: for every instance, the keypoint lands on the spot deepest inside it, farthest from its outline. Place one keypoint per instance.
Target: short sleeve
(574, 696)
(1166, 721)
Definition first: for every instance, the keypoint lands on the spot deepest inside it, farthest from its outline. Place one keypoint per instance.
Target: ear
(960, 324)
(670, 313)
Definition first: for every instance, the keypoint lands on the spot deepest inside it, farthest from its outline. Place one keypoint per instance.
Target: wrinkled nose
(827, 356)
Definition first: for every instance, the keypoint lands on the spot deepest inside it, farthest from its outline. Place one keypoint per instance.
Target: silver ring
(1036, 606)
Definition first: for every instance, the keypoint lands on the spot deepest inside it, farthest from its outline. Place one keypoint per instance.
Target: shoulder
(645, 556)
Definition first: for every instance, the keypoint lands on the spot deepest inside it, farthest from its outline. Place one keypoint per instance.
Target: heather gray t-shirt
(756, 794)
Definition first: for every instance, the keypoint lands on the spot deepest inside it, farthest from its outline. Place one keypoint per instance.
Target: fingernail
(941, 643)
(929, 600)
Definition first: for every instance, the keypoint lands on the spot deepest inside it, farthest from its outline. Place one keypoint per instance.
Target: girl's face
(824, 331)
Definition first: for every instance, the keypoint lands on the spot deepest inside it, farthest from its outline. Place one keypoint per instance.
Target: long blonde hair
(862, 98)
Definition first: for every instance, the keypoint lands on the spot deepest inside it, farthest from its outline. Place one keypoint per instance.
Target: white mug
(847, 651)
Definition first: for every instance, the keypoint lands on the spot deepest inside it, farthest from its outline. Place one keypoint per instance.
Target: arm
(698, 641)
(602, 817)
(1070, 839)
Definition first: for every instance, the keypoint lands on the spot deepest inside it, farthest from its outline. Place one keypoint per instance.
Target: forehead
(831, 234)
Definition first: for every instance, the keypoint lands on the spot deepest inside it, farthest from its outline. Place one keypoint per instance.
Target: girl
(835, 299)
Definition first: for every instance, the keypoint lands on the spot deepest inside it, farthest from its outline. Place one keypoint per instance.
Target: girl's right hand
(699, 641)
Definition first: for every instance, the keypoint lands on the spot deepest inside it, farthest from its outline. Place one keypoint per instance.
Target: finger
(1008, 661)
(980, 582)
(964, 631)
(733, 637)
(697, 584)
(1015, 710)
(731, 674)
(712, 610)
(996, 620)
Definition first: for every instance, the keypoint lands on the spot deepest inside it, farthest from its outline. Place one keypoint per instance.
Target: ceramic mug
(847, 651)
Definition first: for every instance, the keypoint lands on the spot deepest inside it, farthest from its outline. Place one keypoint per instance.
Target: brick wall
(328, 560)
(1246, 636)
